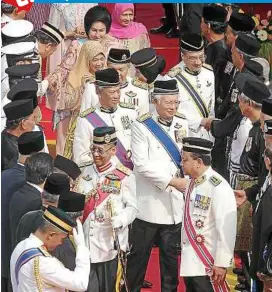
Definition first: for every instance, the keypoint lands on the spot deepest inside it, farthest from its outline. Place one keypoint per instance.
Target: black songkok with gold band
(104, 135)
(59, 219)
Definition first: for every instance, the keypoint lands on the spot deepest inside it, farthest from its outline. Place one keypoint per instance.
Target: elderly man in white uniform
(196, 86)
(119, 59)
(110, 207)
(209, 223)
(34, 269)
(110, 113)
(156, 146)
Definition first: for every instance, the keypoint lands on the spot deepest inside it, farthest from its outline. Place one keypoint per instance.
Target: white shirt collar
(34, 238)
(36, 187)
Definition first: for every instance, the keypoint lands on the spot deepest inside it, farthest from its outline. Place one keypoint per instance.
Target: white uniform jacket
(129, 94)
(240, 136)
(204, 85)
(51, 274)
(213, 213)
(97, 227)
(154, 168)
(121, 119)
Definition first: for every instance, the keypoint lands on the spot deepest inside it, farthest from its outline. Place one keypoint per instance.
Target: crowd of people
(181, 160)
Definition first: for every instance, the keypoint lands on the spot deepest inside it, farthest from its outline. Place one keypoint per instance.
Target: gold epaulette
(207, 66)
(127, 105)
(84, 164)
(44, 251)
(174, 72)
(179, 115)
(215, 181)
(200, 180)
(144, 117)
(86, 112)
(123, 169)
(138, 83)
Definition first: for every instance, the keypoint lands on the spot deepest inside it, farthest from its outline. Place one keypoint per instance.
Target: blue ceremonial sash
(121, 153)
(201, 106)
(25, 257)
(167, 142)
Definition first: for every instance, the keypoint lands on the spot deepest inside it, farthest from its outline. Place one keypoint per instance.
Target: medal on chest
(228, 68)
(234, 95)
(179, 135)
(132, 98)
(125, 122)
(248, 143)
(202, 202)
(111, 184)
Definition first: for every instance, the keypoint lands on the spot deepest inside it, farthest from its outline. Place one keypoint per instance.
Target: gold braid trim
(37, 273)
(68, 148)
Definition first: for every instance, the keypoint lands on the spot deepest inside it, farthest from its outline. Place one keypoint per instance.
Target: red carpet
(153, 274)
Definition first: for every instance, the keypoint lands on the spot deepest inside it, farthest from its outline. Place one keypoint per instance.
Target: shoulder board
(137, 83)
(215, 181)
(85, 164)
(207, 66)
(179, 115)
(126, 105)
(174, 72)
(144, 117)
(44, 252)
(86, 112)
(123, 169)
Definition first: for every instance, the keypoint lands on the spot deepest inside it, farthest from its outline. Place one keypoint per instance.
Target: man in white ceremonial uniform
(156, 146)
(34, 269)
(209, 223)
(196, 86)
(119, 59)
(110, 207)
(110, 113)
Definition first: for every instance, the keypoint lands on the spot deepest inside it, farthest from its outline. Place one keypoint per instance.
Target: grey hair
(50, 198)
(250, 101)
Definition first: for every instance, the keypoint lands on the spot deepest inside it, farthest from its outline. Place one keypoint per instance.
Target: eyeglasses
(98, 150)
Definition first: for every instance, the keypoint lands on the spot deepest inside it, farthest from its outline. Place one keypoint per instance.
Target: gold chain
(37, 273)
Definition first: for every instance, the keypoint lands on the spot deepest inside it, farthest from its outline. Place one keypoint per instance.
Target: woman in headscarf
(133, 35)
(68, 18)
(97, 22)
(91, 58)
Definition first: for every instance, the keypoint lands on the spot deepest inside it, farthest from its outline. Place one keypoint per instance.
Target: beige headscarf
(80, 72)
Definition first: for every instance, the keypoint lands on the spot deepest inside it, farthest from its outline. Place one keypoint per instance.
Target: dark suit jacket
(217, 57)
(27, 199)
(28, 224)
(9, 151)
(191, 18)
(11, 180)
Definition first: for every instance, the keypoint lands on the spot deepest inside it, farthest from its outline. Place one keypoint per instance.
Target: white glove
(42, 88)
(116, 222)
(78, 234)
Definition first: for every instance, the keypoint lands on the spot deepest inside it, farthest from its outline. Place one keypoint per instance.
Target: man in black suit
(12, 180)
(37, 168)
(20, 119)
(55, 184)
